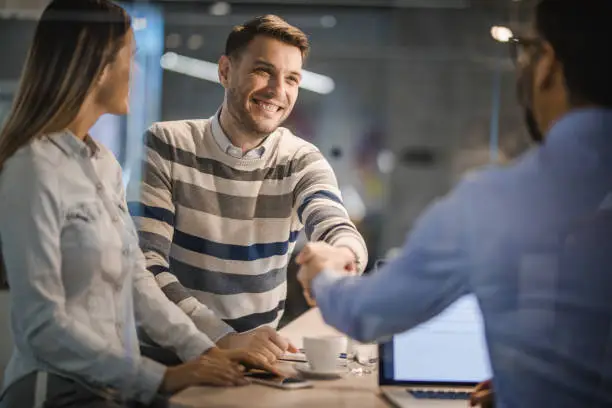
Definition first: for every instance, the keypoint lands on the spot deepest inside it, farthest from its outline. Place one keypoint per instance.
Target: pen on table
(342, 355)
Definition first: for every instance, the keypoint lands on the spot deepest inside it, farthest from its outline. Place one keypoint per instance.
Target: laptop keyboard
(445, 395)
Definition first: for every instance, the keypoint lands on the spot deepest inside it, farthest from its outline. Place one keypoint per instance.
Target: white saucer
(307, 371)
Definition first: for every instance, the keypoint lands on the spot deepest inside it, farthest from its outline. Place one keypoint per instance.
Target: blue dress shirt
(533, 242)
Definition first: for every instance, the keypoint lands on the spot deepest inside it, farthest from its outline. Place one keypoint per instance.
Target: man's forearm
(205, 319)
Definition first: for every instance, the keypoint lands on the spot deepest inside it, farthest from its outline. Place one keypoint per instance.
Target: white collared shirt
(226, 145)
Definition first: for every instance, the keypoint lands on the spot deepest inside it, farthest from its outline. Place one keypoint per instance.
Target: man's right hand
(203, 371)
(317, 256)
(263, 340)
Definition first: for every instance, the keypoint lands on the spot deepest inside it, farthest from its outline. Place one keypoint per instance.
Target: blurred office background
(408, 94)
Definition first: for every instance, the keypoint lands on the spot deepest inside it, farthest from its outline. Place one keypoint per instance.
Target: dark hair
(580, 32)
(270, 26)
(73, 43)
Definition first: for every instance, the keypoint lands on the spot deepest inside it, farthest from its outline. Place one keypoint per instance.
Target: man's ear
(547, 68)
(224, 70)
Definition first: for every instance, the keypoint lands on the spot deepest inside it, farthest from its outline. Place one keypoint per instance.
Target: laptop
(438, 363)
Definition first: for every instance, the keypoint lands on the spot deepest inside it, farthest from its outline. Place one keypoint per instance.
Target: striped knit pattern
(217, 231)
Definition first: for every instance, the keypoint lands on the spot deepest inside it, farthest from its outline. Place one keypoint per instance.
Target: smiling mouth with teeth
(267, 106)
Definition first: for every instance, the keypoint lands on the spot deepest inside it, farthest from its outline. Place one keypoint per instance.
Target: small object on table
(300, 357)
(272, 380)
(307, 371)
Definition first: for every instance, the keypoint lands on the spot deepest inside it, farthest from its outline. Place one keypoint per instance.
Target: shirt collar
(226, 145)
(576, 142)
(72, 145)
(582, 126)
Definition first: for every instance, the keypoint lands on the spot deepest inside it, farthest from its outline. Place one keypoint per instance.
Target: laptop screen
(449, 349)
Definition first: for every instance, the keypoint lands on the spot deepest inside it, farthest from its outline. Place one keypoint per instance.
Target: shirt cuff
(356, 247)
(325, 279)
(148, 380)
(221, 331)
(195, 347)
(211, 325)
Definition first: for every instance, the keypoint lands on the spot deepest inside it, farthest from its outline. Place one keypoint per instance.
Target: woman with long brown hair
(77, 277)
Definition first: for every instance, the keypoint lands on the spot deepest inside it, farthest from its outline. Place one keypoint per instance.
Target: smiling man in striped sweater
(222, 200)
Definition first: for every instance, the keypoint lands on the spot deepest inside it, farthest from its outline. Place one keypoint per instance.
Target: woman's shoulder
(41, 151)
(30, 174)
(36, 166)
(38, 156)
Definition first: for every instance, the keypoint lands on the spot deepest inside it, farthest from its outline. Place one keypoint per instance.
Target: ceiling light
(208, 71)
(173, 40)
(195, 42)
(501, 34)
(220, 8)
(328, 21)
(317, 83)
(190, 66)
(385, 161)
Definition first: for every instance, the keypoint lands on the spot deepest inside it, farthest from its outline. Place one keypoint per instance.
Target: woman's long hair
(73, 43)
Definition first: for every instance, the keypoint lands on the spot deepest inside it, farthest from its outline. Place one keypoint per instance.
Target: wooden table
(350, 391)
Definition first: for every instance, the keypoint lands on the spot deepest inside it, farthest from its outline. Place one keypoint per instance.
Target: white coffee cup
(323, 352)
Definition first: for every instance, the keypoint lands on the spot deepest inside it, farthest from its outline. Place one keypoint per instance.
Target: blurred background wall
(414, 93)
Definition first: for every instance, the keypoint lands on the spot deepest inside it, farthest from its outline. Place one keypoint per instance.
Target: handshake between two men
(318, 257)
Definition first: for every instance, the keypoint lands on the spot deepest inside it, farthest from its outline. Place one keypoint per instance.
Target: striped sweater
(217, 231)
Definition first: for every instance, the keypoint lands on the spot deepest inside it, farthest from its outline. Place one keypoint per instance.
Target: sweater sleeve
(320, 209)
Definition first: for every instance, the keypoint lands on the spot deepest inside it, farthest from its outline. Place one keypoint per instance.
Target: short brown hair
(270, 26)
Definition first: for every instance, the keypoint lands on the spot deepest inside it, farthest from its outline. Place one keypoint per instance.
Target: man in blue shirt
(532, 241)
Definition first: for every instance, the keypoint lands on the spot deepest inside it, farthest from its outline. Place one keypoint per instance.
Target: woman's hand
(247, 358)
(204, 370)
